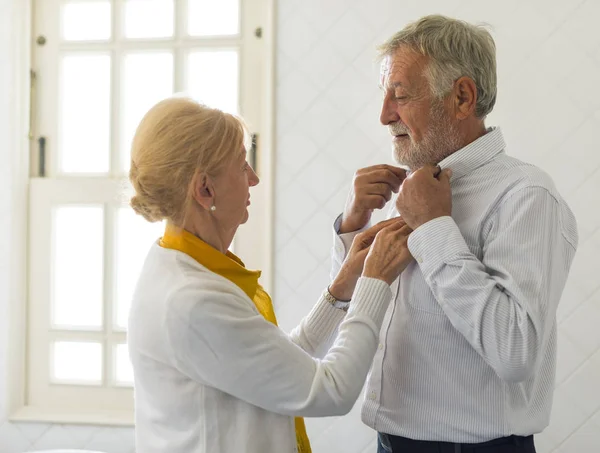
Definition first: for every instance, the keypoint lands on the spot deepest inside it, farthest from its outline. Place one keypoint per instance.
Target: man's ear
(465, 98)
(203, 190)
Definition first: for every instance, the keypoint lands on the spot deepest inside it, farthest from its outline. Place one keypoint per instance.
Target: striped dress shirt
(468, 348)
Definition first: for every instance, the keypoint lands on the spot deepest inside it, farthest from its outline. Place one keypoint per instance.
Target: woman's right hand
(389, 255)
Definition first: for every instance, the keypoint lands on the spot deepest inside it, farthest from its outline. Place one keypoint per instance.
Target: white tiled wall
(327, 127)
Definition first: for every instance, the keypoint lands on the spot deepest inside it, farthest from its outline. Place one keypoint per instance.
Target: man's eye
(401, 98)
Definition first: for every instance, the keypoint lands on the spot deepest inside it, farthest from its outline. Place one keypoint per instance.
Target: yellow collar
(226, 265)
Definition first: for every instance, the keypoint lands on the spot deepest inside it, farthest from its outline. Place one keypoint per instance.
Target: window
(98, 65)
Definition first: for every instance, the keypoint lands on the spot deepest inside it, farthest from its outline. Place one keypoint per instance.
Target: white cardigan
(213, 376)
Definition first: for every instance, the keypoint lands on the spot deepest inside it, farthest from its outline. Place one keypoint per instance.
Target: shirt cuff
(435, 243)
(343, 242)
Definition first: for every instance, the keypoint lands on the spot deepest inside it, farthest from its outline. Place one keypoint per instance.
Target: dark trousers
(511, 444)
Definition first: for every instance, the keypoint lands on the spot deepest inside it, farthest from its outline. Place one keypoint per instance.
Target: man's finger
(382, 176)
(379, 188)
(433, 170)
(398, 171)
(426, 171)
(436, 171)
(372, 202)
(445, 175)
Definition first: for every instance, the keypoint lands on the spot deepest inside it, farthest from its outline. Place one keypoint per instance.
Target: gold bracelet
(342, 305)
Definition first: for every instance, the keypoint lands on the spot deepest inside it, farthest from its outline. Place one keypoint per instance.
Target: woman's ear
(203, 190)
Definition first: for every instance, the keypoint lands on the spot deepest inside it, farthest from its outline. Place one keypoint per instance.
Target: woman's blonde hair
(176, 140)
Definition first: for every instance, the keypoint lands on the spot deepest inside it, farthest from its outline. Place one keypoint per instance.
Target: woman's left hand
(351, 270)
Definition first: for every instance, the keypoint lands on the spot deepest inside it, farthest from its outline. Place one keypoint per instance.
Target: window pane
(84, 114)
(213, 78)
(77, 267)
(210, 18)
(123, 368)
(135, 236)
(88, 21)
(75, 362)
(149, 18)
(148, 78)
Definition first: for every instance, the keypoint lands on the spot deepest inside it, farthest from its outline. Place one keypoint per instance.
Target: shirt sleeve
(341, 246)
(505, 304)
(218, 339)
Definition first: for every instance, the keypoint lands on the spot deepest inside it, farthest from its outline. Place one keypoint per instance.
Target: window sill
(108, 418)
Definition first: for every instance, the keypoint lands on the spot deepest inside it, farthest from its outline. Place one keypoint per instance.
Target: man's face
(422, 129)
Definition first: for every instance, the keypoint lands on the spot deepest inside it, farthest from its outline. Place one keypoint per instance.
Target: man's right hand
(372, 188)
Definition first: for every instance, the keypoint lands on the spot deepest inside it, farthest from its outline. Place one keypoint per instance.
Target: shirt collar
(475, 154)
(226, 265)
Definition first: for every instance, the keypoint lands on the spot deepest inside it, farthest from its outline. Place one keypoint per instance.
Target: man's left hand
(425, 195)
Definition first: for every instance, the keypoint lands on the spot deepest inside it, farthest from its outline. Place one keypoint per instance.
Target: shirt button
(372, 396)
(380, 346)
(419, 260)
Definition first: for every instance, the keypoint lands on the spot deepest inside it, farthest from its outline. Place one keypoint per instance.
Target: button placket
(387, 321)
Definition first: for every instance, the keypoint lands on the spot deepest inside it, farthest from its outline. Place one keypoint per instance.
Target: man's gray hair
(455, 49)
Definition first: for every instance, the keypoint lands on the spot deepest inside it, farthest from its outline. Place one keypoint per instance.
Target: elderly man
(468, 351)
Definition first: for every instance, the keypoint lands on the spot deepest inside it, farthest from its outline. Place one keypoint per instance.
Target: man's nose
(388, 114)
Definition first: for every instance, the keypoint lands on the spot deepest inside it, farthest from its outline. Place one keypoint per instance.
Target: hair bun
(141, 206)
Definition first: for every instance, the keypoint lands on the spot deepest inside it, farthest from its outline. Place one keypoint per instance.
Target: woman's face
(232, 194)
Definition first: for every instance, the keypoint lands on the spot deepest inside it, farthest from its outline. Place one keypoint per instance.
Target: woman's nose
(253, 178)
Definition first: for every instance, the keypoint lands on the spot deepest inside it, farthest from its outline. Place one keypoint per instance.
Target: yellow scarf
(233, 269)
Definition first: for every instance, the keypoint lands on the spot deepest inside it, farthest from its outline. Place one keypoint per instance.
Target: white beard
(441, 139)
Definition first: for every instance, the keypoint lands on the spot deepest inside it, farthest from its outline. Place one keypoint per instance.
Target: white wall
(549, 109)
(327, 127)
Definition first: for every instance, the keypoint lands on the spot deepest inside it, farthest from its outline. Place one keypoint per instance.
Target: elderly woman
(213, 372)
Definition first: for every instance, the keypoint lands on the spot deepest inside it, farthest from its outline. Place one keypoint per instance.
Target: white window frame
(114, 407)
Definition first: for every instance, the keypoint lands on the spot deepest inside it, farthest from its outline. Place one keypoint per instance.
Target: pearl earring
(213, 208)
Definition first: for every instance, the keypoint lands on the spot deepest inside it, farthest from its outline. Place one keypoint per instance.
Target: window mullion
(109, 291)
(179, 54)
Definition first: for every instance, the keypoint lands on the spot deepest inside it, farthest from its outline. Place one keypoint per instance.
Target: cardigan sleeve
(218, 339)
(318, 329)
(316, 332)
